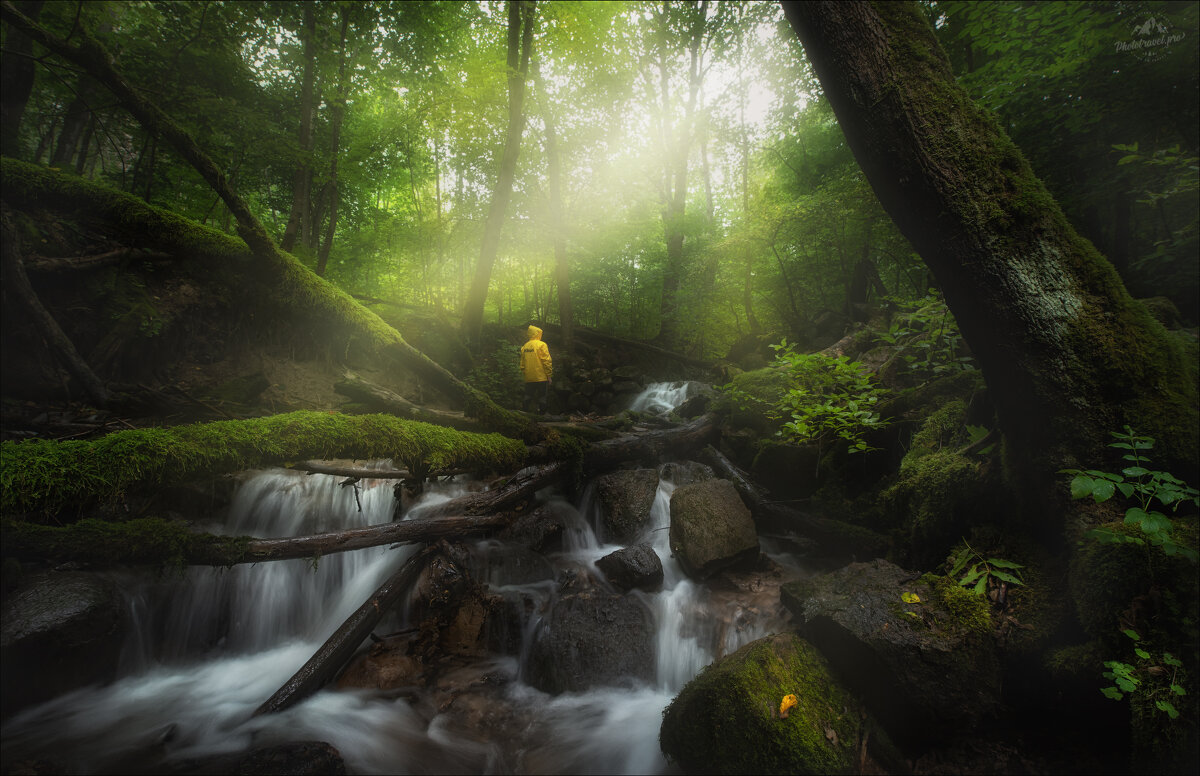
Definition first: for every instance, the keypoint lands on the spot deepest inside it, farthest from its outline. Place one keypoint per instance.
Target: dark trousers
(536, 392)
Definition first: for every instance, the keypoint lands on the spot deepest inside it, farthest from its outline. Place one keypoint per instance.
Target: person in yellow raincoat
(537, 369)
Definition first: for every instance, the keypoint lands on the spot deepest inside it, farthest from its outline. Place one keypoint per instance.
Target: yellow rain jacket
(535, 358)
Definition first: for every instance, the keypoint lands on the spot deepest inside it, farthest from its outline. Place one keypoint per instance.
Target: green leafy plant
(1141, 485)
(827, 398)
(1158, 680)
(983, 572)
(928, 337)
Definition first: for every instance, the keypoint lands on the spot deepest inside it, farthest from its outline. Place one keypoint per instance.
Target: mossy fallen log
(42, 476)
(158, 542)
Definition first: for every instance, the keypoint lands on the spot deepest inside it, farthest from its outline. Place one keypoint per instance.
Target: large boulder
(625, 499)
(591, 639)
(711, 529)
(727, 719)
(926, 668)
(633, 567)
(61, 631)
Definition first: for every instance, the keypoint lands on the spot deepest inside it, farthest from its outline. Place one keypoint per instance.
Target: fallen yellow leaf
(786, 704)
(910, 598)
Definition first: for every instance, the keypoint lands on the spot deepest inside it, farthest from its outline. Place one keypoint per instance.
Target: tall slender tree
(521, 14)
(299, 225)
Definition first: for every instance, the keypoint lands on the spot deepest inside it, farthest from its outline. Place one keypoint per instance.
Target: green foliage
(1141, 485)
(983, 573)
(1157, 681)
(827, 398)
(927, 337)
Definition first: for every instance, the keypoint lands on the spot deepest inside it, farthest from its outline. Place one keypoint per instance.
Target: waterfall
(209, 646)
(661, 398)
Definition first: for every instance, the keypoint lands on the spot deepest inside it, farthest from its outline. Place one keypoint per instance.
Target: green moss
(1078, 661)
(41, 475)
(970, 612)
(933, 502)
(725, 720)
(943, 429)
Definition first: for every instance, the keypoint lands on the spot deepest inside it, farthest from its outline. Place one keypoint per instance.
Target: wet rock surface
(681, 473)
(301, 758)
(711, 529)
(633, 567)
(593, 639)
(626, 498)
(925, 669)
(61, 630)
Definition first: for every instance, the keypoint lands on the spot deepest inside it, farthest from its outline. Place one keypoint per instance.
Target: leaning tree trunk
(1067, 354)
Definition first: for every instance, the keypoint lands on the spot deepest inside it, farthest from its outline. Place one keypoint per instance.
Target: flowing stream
(209, 645)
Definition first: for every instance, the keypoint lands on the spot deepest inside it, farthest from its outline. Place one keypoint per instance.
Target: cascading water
(210, 647)
(661, 398)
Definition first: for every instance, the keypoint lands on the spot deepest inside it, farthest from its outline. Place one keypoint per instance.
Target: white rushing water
(210, 646)
(661, 398)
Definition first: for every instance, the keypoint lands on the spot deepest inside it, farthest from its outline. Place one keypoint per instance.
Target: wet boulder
(61, 631)
(685, 472)
(727, 719)
(711, 529)
(626, 498)
(926, 667)
(294, 757)
(633, 567)
(592, 639)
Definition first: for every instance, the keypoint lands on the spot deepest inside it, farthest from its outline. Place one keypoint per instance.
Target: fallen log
(46, 264)
(157, 541)
(363, 473)
(508, 494)
(608, 453)
(380, 398)
(834, 537)
(341, 646)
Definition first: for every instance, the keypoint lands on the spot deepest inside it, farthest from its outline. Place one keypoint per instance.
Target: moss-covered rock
(726, 720)
(711, 528)
(924, 663)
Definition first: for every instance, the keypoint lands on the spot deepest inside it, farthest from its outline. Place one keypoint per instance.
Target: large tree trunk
(1067, 354)
(520, 45)
(16, 81)
(299, 222)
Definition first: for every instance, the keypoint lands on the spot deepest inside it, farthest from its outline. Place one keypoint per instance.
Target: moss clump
(933, 502)
(726, 719)
(42, 475)
(942, 430)
(968, 612)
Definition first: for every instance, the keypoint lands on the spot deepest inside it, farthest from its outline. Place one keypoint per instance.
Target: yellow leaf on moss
(910, 598)
(786, 704)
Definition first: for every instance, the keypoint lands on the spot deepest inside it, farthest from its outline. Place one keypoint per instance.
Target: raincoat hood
(534, 333)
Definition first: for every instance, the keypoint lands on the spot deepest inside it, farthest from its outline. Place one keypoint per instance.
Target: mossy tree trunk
(1067, 354)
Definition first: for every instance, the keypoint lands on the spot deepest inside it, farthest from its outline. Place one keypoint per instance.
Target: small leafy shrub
(827, 399)
(928, 337)
(1141, 485)
(1157, 680)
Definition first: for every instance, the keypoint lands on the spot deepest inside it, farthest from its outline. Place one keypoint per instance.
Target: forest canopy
(678, 161)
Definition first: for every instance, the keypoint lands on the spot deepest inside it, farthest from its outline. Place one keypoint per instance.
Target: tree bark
(520, 45)
(299, 222)
(344, 642)
(1067, 353)
(16, 283)
(16, 82)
